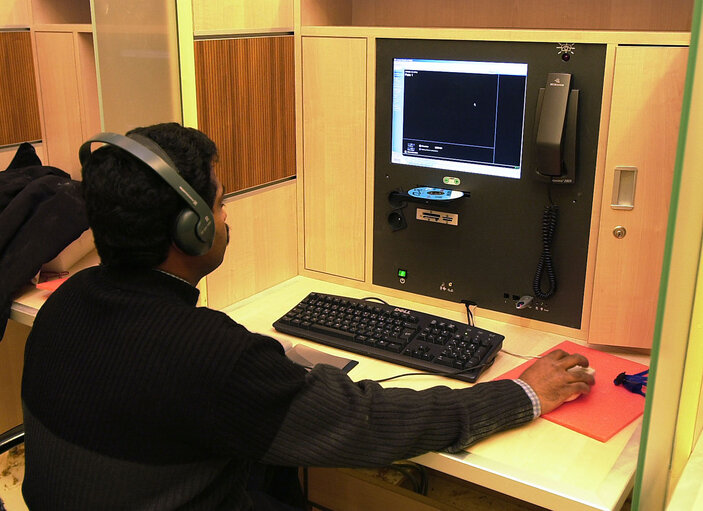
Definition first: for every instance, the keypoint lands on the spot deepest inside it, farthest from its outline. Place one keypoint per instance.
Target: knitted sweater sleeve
(334, 421)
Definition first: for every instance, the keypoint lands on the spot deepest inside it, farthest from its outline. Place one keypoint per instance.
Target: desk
(541, 463)
(29, 301)
(22, 313)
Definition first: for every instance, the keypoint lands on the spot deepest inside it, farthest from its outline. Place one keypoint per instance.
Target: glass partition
(668, 413)
(137, 62)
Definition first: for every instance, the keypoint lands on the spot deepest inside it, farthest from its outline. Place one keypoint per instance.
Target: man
(135, 398)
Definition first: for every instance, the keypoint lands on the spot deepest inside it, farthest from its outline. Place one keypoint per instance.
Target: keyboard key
(332, 332)
(407, 334)
(445, 361)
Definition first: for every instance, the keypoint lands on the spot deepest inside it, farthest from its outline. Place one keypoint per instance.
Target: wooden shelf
(64, 27)
(526, 35)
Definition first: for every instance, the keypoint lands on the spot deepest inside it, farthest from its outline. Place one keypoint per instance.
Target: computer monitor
(461, 115)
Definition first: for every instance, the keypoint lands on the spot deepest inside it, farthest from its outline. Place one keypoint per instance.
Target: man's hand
(551, 379)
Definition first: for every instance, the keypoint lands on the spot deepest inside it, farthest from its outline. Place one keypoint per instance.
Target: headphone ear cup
(184, 234)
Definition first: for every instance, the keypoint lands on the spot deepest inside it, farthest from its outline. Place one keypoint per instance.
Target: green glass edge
(666, 264)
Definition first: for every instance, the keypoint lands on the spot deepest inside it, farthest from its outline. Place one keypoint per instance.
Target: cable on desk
(420, 483)
(526, 357)
(373, 298)
(434, 373)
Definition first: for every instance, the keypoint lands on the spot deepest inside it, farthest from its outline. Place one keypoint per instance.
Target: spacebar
(332, 332)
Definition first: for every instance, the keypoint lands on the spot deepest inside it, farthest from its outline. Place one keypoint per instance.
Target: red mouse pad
(51, 285)
(608, 408)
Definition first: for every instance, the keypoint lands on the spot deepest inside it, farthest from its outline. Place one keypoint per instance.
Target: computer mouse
(575, 369)
(587, 370)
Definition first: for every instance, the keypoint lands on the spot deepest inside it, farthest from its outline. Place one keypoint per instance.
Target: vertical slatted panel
(19, 108)
(245, 95)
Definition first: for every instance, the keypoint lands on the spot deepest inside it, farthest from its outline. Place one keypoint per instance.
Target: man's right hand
(552, 381)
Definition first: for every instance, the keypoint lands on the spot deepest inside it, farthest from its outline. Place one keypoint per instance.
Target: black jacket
(41, 212)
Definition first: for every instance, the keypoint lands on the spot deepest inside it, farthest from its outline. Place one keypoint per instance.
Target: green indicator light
(402, 274)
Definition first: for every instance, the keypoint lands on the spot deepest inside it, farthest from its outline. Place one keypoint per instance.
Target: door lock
(619, 232)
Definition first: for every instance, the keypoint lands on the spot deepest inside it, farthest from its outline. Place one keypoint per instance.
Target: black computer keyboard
(407, 337)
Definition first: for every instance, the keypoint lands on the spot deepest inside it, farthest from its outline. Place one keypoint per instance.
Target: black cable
(469, 314)
(435, 373)
(371, 298)
(406, 467)
(403, 469)
(545, 264)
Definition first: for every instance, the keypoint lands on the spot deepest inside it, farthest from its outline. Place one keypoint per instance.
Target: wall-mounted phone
(555, 129)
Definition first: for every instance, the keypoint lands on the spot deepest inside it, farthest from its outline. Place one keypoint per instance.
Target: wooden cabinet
(644, 118)
(334, 154)
(68, 88)
(640, 115)
(60, 101)
(69, 95)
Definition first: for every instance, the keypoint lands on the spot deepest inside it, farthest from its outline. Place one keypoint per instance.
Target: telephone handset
(555, 159)
(555, 129)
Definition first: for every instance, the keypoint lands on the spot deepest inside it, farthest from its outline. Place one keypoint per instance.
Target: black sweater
(136, 399)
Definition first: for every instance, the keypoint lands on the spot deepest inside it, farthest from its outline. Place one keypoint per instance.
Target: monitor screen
(456, 115)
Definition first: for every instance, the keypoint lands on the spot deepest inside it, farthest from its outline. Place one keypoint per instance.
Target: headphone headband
(151, 154)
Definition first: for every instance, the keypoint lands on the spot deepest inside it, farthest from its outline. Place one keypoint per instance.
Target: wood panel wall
(226, 16)
(15, 13)
(262, 249)
(651, 15)
(19, 108)
(246, 105)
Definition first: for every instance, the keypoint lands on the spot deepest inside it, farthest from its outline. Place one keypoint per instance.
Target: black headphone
(194, 230)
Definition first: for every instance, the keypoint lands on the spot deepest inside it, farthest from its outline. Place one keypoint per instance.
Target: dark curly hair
(131, 210)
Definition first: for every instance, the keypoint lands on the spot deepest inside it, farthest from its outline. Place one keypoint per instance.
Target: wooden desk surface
(542, 462)
(25, 306)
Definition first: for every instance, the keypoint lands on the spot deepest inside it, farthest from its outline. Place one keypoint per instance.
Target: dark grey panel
(491, 256)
